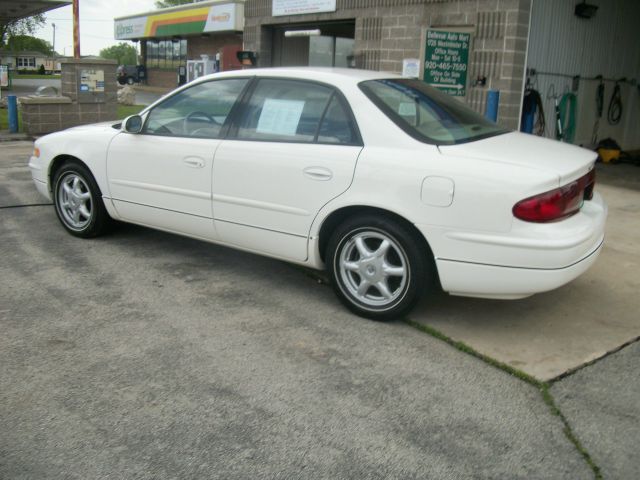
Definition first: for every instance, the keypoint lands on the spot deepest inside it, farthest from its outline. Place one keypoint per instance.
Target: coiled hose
(568, 113)
(614, 113)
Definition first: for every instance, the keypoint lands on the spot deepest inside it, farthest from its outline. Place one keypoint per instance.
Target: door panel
(276, 187)
(162, 177)
(149, 174)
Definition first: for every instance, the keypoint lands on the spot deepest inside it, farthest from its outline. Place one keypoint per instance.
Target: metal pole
(12, 106)
(76, 29)
(54, 41)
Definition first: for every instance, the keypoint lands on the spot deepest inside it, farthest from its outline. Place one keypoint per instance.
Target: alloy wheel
(373, 268)
(74, 201)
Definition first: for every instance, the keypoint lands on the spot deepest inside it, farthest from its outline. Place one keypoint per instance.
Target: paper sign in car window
(280, 117)
(407, 109)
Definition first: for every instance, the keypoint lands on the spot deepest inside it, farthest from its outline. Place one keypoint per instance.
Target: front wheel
(78, 201)
(130, 81)
(377, 266)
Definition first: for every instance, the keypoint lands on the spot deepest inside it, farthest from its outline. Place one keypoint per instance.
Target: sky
(96, 24)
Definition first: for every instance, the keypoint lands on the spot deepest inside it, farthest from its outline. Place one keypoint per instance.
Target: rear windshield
(427, 114)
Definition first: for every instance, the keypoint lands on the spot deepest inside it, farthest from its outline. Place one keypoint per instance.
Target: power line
(82, 19)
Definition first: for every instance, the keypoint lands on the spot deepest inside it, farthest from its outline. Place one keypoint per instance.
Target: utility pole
(54, 41)
(76, 29)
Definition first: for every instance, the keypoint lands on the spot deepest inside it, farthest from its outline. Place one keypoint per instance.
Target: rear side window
(283, 110)
(337, 126)
(427, 114)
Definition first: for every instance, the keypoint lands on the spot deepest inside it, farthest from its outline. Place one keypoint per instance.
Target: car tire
(378, 266)
(130, 81)
(78, 201)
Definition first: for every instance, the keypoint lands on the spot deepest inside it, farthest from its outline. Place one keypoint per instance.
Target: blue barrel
(527, 120)
(493, 99)
(12, 105)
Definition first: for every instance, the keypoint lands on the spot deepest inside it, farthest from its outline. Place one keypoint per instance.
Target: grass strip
(551, 403)
(463, 347)
(542, 387)
(31, 76)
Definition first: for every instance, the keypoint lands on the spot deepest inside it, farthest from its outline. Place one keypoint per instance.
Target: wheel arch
(335, 218)
(59, 161)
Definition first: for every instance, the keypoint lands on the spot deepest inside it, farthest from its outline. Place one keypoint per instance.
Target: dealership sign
(215, 18)
(446, 61)
(299, 7)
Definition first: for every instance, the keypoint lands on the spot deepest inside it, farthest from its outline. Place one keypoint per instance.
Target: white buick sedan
(392, 186)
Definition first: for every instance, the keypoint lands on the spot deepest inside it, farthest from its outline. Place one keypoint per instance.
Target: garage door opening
(327, 44)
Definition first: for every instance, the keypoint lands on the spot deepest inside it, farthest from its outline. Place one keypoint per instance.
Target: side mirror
(132, 124)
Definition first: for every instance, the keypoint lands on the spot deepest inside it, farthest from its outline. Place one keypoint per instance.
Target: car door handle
(318, 173)
(193, 162)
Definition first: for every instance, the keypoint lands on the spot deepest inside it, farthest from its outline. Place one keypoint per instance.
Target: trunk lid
(566, 161)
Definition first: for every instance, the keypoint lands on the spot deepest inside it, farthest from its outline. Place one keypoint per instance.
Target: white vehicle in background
(390, 185)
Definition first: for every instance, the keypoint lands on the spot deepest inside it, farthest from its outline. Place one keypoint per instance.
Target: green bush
(41, 70)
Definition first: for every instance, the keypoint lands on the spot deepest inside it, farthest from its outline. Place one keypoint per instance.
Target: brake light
(556, 204)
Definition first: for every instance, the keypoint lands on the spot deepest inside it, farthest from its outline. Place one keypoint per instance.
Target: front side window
(199, 111)
(427, 114)
(284, 111)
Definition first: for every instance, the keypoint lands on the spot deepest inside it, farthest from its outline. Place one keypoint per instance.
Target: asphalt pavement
(145, 355)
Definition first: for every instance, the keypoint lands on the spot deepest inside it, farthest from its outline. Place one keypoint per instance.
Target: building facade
(171, 37)
(463, 46)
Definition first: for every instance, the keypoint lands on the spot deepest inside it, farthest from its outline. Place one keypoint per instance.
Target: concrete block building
(383, 34)
(464, 47)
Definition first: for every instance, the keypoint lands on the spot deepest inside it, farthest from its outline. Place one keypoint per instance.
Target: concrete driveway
(553, 333)
(146, 355)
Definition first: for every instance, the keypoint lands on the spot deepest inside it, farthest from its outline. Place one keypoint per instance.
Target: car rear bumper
(528, 259)
(495, 281)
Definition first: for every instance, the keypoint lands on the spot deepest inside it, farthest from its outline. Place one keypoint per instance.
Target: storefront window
(162, 53)
(176, 54)
(152, 54)
(183, 50)
(167, 54)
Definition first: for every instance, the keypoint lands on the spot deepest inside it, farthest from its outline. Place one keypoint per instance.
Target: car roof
(322, 74)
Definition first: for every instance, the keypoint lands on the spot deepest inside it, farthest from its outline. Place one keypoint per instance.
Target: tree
(173, 3)
(24, 26)
(17, 43)
(123, 53)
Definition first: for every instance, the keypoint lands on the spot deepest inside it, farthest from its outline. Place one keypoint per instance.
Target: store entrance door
(316, 45)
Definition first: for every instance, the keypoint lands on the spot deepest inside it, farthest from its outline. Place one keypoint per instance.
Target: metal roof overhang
(16, 9)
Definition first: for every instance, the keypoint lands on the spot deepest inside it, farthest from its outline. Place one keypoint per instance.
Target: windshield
(428, 114)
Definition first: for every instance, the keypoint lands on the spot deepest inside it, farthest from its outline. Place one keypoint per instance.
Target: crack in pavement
(543, 387)
(26, 205)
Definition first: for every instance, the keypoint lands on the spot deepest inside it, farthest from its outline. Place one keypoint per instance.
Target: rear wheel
(377, 266)
(78, 201)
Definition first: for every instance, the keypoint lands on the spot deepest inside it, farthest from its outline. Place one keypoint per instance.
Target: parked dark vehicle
(129, 74)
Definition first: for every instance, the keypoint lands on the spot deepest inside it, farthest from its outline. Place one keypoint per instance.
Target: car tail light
(556, 204)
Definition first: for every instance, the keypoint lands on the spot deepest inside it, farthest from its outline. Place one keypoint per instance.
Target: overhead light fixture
(585, 10)
(303, 33)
